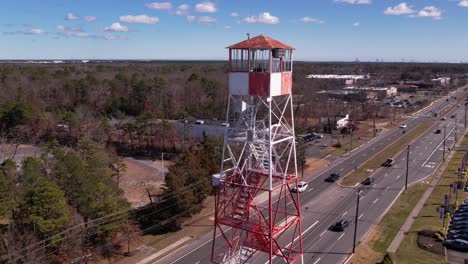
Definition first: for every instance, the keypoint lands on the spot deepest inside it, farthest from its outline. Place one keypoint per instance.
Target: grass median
(344, 148)
(368, 168)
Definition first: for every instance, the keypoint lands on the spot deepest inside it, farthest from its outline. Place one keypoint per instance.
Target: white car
(403, 126)
(301, 186)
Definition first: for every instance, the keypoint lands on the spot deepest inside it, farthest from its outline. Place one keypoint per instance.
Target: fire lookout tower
(257, 212)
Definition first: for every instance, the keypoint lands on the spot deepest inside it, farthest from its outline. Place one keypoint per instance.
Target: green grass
(428, 218)
(345, 148)
(375, 162)
(396, 216)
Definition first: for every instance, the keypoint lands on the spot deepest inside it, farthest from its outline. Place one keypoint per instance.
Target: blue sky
(320, 30)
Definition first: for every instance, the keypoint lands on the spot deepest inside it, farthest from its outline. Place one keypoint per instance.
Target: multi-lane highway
(325, 203)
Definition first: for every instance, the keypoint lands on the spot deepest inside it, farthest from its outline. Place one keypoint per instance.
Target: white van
(200, 122)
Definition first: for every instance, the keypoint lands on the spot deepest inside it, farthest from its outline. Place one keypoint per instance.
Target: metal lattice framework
(256, 210)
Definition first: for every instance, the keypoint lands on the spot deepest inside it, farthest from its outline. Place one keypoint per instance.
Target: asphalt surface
(325, 203)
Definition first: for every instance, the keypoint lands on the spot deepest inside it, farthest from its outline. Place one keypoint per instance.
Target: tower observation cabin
(260, 66)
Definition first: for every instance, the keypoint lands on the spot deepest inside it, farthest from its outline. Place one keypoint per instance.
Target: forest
(66, 204)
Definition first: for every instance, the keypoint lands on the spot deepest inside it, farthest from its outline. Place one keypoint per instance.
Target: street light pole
(443, 153)
(465, 116)
(356, 219)
(407, 167)
(162, 164)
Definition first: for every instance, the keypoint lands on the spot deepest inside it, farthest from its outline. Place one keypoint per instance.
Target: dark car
(388, 163)
(340, 225)
(456, 244)
(333, 177)
(438, 131)
(459, 226)
(368, 181)
(457, 232)
(457, 236)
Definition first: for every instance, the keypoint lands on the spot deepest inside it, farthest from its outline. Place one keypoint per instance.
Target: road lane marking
(360, 216)
(398, 177)
(375, 200)
(316, 222)
(323, 233)
(345, 213)
(386, 174)
(317, 261)
(373, 186)
(342, 235)
(361, 197)
(342, 169)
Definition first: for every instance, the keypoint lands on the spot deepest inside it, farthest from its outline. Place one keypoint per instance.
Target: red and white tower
(256, 211)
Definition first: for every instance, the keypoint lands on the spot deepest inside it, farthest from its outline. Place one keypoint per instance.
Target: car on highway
(340, 225)
(333, 177)
(452, 116)
(388, 163)
(368, 181)
(403, 126)
(443, 118)
(301, 186)
(437, 131)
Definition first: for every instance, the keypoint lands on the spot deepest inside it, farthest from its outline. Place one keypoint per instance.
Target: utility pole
(148, 192)
(374, 126)
(407, 167)
(356, 219)
(443, 153)
(83, 246)
(162, 165)
(465, 116)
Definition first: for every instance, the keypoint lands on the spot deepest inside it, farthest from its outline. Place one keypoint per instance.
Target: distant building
(402, 88)
(372, 93)
(338, 76)
(441, 81)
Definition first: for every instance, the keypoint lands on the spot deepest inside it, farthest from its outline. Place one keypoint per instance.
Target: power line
(113, 216)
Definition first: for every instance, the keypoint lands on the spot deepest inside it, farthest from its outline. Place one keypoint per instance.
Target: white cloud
(264, 17)
(206, 19)
(159, 5)
(430, 11)
(191, 18)
(116, 27)
(201, 20)
(67, 28)
(72, 16)
(400, 9)
(92, 36)
(205, 7)
(110, 37)
(227, 27)
(33, 31)
(463, 3)
(89, 18)
(143, 19)
(312, 20)
(182, 10)
(235, 14)
(354, 2)
(356, 24)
